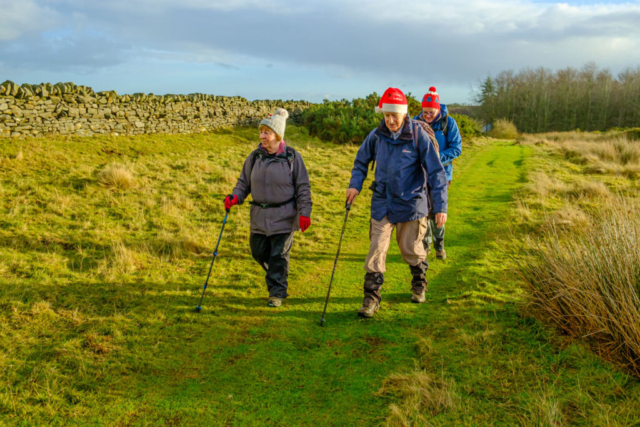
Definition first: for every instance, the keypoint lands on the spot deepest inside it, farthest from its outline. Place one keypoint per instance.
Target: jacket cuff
(440, 209)
(240, 198)
(305, 212)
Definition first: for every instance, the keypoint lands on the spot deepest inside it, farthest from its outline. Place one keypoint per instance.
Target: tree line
(540, 100)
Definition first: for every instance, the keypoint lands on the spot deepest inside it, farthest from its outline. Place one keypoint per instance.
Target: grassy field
(98, 285)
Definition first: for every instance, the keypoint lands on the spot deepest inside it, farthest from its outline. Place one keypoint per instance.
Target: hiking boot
(419, 282)
(274, 302)
(369, 308)
(441, 254)
(418, 296)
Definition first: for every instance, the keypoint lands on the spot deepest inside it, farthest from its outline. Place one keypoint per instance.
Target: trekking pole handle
(348, 206)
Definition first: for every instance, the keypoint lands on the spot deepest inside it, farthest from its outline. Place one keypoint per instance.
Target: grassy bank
(98, 281)
(583, 253)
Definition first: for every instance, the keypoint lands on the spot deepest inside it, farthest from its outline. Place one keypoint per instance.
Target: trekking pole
(215, 253)
(335, 263)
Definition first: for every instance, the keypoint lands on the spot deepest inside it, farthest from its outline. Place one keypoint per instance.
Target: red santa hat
(431, 99)
(392, 101)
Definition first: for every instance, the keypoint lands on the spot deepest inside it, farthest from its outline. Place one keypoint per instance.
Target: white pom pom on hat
(392, 101)
(281, 112)
(277, 121)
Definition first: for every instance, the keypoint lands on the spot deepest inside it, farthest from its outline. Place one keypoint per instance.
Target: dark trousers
(272, 253)
(434, 234)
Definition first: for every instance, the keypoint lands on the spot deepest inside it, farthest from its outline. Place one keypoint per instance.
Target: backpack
(290, 158)
(288, 150)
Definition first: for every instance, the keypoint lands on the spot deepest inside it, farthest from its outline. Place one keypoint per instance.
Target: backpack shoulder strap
(375, 149)
(445, 127)
(291, 155)
(254, 155)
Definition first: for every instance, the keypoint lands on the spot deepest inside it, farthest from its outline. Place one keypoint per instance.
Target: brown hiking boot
(369, 308)
(418, 296)
(274, 302)
(441, 254)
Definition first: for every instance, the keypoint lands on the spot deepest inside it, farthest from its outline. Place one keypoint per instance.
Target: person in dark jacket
(406, 161)
(449, 142)
(277, 179)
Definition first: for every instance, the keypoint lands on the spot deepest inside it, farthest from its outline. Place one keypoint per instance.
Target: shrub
(588, 283)
(504, 129)
(343, 121)
(116, 175)
(351, 121)
(469, 128)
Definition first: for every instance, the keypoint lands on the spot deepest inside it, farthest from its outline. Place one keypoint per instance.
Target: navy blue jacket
(399, 189)
(451, 146)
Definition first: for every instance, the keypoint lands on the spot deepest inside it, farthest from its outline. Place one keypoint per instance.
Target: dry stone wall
(67, 109)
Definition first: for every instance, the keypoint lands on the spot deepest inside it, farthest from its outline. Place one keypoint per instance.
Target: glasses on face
(430, 113)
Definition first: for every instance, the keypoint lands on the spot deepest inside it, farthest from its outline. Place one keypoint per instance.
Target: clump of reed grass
(588, 282)
(422, 395)
(116, 176)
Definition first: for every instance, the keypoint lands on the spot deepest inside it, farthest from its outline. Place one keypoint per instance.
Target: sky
(307, 49)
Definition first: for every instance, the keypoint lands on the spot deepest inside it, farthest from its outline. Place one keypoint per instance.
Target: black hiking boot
(419, 282)
(372, 285)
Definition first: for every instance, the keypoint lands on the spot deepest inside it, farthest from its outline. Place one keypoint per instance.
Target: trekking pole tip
(198, 308)
(322, 322)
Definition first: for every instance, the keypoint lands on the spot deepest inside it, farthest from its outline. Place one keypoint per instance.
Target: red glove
(230, 200)
(304, 222)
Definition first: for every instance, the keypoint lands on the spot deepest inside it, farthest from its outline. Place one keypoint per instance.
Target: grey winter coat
(271, 179)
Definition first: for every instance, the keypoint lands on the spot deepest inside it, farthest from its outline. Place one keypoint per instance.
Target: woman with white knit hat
(277, 179)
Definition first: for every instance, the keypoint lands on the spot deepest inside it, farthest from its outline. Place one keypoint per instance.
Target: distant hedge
(346, 121)
(469, 128)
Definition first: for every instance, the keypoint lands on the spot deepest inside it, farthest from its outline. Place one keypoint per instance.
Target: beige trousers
(409, 236)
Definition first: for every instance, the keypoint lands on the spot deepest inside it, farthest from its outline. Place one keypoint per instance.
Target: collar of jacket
(442, 115)
(405, 135)
(280, 153)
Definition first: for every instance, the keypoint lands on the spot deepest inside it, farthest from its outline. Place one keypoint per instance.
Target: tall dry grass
(588, 281)
(611, 153)
(116, 175)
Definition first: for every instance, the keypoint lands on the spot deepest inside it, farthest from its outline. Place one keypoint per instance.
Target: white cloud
(20, 17)
(414, 41)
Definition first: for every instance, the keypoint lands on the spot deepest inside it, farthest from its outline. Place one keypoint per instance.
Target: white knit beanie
(277, 121)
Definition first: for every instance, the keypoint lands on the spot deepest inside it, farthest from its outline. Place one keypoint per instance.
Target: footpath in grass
(157, 362)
